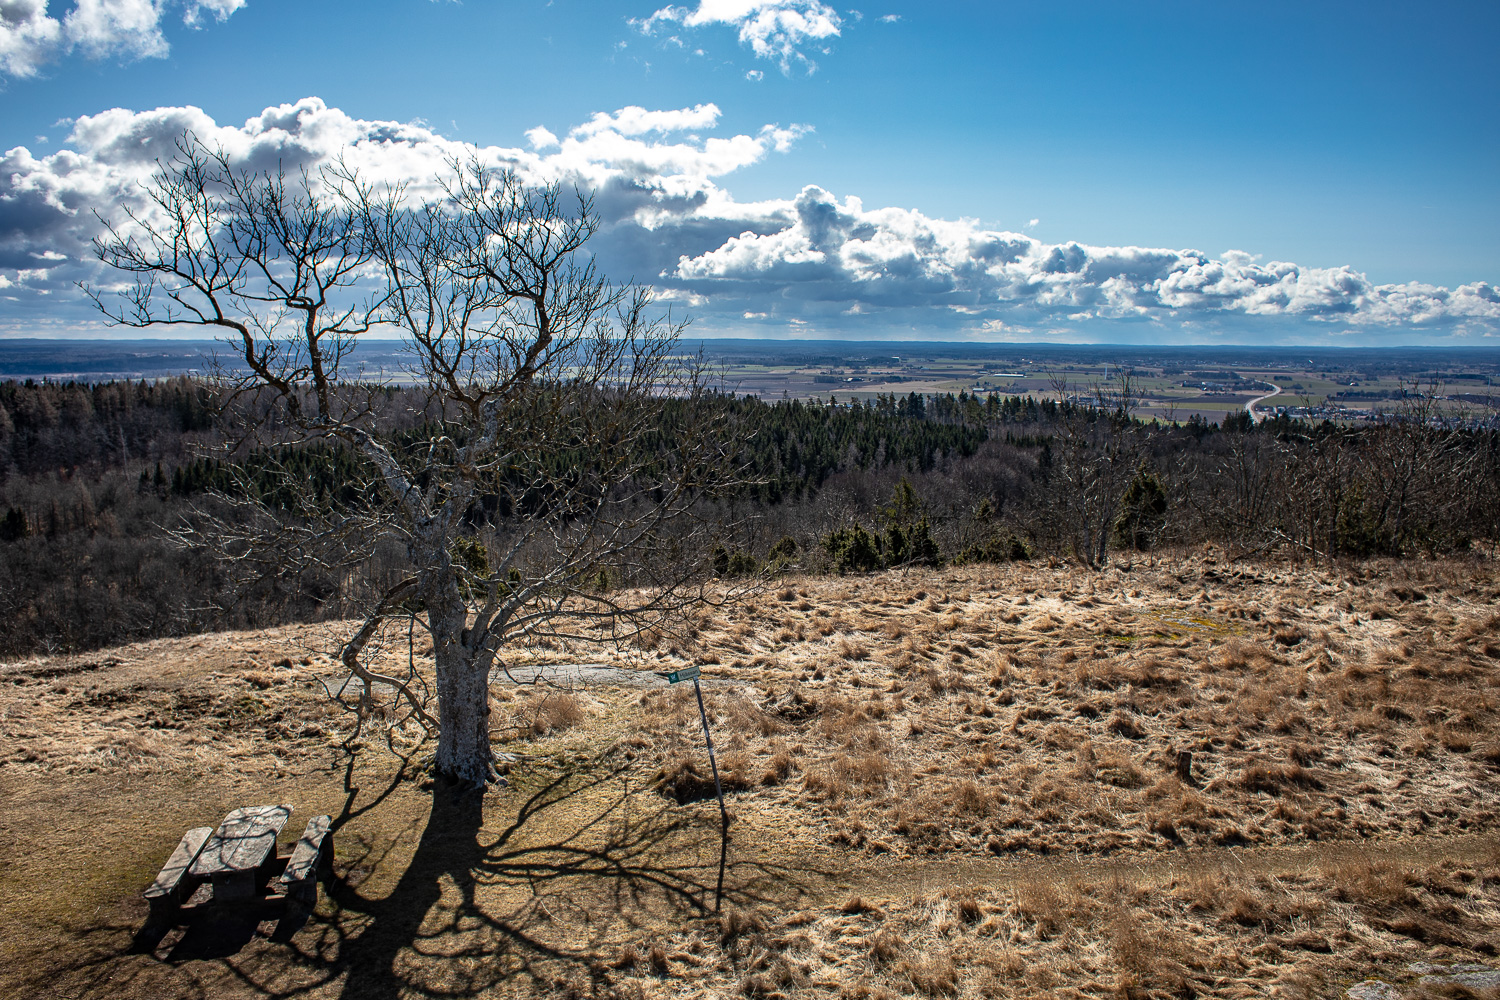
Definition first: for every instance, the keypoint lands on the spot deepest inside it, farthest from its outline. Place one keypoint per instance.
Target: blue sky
(1019, 171)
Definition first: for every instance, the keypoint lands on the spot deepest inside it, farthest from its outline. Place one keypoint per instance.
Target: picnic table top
(243, 841)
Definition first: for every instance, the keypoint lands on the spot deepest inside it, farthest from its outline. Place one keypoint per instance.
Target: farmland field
(1171, 383)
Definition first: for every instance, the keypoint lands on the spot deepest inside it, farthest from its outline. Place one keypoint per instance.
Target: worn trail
(887, 877)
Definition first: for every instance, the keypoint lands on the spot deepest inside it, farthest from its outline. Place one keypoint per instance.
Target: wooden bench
(311, 859)
(173, 885)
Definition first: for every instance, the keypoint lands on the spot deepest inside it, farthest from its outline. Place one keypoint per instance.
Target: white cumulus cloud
(816, 262)
(816, 255)
(774, 29)
(541, 138)
(638, 121)
(643, 174)
(30, 38)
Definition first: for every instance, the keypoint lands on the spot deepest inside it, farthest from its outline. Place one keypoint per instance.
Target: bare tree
(1421, 477)
(1095, 454)
(1239, 490)
(548, 484)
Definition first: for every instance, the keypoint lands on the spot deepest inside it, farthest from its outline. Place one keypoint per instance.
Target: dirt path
(914, 877)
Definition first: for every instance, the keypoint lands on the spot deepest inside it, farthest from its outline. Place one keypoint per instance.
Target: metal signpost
(692, 674)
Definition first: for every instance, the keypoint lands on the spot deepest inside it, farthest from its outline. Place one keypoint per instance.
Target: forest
(105, 490)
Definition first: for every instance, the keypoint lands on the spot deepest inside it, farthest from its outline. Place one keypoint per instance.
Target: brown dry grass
(1215, 933)
(1031, 709)
(874, 733)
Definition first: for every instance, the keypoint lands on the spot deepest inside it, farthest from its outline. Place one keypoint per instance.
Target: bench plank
(170, 879)
(312, 857)
(305, 860)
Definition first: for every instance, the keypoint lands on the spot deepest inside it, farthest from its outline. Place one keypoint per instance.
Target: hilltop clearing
(1188, 778)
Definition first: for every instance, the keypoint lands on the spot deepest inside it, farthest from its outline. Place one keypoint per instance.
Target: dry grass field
(964, 783)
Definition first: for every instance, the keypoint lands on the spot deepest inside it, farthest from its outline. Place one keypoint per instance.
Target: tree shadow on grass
(581, 863)
(586, 863)
(209, 952)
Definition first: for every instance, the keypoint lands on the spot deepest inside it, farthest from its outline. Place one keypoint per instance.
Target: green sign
(685, 674)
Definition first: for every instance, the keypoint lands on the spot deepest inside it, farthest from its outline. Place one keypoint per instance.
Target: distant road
(1250, 406)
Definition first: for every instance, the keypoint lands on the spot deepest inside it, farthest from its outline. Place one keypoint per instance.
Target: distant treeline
(101, 487)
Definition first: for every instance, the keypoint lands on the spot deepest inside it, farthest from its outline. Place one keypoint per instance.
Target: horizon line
(185, 341)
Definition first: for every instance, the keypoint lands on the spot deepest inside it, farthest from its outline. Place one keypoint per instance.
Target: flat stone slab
(577, 674)
(1469, 974)
(594, 675)
(1474, 977)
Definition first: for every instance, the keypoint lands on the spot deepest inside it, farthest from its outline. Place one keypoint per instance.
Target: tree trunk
(463, 752)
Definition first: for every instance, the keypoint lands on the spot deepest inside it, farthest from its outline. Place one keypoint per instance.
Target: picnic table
(235, 857)
(239, 858)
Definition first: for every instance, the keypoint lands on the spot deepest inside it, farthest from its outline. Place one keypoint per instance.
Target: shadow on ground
(536, 886)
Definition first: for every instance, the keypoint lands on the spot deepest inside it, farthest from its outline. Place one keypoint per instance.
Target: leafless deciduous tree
(549, 483)
(1094, 456)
